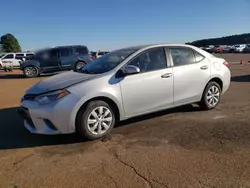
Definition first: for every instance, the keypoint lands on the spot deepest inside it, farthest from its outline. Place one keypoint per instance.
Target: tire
(79, 65)
(86, 120)
(31, 72)
(213, 91)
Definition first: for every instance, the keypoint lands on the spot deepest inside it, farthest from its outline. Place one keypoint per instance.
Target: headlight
(51, 97)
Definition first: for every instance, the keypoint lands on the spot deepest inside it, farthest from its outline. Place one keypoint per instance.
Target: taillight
(91, 57)
(226, 64)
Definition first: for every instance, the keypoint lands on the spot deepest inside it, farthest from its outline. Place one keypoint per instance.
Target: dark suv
(56, 59)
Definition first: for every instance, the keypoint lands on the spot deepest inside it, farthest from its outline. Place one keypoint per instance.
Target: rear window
(100, 53)
(81, 51)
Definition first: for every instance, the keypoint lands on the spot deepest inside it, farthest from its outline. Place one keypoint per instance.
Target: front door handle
(167, 75)
(204, 67)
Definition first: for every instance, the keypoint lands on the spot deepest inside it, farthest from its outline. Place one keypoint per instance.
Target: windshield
(107, 62)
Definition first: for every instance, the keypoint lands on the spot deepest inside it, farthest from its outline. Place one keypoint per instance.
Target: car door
(8, 60)
(19, 57)
(65, 56)
(152, 88)
(191, 71)
(50, 61)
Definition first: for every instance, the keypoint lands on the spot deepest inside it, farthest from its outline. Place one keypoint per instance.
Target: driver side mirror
(131, 69)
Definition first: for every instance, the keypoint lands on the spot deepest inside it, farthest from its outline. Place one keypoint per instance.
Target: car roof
(145, 47)
(69, 46)
(141, 47)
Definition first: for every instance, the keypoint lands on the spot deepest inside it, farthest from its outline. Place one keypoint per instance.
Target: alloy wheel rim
(79, 65)
(99, 120)
(213, 96)
(30, 71)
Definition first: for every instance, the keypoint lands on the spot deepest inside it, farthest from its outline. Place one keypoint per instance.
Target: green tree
(10, 43)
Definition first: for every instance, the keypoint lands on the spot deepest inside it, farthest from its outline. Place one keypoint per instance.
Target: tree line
(228, 40)
(9, 43)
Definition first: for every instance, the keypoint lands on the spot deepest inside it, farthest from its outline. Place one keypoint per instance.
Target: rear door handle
(167, 75)
(204, 67)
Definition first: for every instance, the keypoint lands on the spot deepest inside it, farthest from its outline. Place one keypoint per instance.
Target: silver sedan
(122, 84)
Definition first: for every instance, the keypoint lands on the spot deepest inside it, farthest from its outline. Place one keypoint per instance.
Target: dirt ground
(231, 57)
(183, 147)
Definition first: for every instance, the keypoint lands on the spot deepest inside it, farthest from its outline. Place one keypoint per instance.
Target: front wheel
(211, 96)
(30, 72)
(96, 120)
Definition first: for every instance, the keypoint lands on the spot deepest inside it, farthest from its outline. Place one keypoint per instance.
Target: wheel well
(218, 81)
(105, 99)
(80, 61)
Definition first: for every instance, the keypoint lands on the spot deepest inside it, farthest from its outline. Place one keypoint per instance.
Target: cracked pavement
(182, 147)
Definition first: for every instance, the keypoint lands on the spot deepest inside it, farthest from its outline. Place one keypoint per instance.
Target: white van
(14, 59)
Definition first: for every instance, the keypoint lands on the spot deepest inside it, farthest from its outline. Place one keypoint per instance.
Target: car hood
(29, 62)
(59, 81)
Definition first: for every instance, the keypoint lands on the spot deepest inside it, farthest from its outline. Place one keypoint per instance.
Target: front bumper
(54, 118)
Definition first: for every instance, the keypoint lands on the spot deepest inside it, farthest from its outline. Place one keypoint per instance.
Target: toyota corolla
(122, 84)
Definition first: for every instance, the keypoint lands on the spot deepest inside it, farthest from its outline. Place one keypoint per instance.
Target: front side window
(64, 52)
(182, 56)
(107, 62)
(45, 54)
(150, 60)
(53, 53)
(9, 56)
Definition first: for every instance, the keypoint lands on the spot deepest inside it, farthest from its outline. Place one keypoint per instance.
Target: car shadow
(185, 108)
(13, 134)
(242, 78)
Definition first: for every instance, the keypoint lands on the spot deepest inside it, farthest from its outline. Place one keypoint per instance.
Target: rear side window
(198, 56)
(9, 56)
(81, 51)
(64, 52)
(182, 56)
(19, 56)
(29, 54)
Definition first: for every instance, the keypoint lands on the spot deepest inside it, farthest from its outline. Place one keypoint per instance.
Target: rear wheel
(211, 96)
(79, 65)
(31, 72)
(96, 120)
